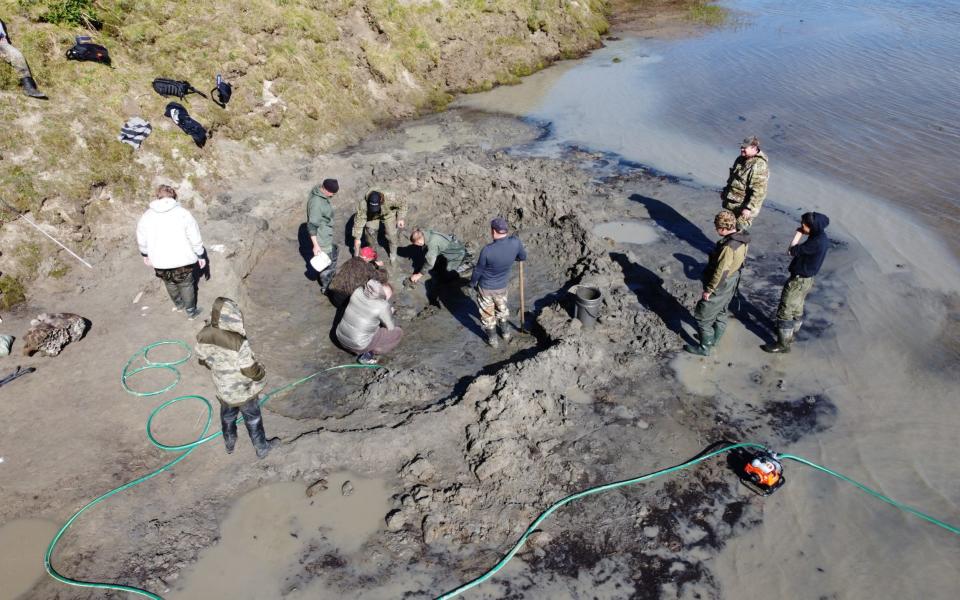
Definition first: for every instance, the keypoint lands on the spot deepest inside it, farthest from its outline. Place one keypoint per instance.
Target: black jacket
(808, 256)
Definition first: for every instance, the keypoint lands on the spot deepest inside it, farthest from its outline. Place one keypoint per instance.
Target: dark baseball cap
(499, 225)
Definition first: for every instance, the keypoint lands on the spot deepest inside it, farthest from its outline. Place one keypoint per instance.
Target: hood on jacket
(226, 315)
(741, 236)
(162, 205)
(374, 290)
(817, 222)
(317, 192)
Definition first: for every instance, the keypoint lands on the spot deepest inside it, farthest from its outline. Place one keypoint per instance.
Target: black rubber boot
(228, 424)
(503, 329)
(259, 438)
(30, 88)
(492, 340)
(703, 348)
(784, 340)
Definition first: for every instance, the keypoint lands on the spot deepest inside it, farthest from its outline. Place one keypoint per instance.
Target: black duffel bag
(86, 50)
(172, 87)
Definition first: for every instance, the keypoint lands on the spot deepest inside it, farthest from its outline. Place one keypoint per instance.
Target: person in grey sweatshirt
(367, 327)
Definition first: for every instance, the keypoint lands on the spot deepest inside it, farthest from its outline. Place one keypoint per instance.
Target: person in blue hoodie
(807, 260)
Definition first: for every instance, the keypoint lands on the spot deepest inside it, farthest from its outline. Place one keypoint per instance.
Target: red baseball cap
(368, 253)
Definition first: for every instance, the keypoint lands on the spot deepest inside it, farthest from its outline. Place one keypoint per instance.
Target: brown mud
(473, 441)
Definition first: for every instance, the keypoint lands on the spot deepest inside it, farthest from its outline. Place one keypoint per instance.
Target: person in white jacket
(169, 240)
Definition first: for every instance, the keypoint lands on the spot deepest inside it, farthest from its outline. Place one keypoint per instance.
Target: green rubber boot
(784, 339)
(703, 348)
(718, 331)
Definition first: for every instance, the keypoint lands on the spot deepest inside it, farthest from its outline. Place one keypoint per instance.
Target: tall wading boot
(503, 328)
(229, 427)
(706, 341)
(259, 438)
(492, 340)
(784, 339)
(718, 329)
(30, 88)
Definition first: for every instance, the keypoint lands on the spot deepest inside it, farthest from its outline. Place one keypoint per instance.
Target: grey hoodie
(368, 308)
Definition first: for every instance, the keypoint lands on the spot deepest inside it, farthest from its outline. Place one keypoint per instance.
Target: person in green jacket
(720, 281)
(746, 187)
(456, 258)
(320, 227)
(378, 208)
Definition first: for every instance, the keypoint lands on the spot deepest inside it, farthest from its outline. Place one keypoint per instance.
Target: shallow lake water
(22, 544)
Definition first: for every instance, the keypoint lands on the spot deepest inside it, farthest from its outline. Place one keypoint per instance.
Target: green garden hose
(188, 447)
(618, 484)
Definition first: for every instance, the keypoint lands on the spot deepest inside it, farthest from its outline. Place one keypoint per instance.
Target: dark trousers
(181, 284)
(252, 418)
(326, 275)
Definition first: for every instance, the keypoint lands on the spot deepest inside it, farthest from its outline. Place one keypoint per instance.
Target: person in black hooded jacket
(807, 260)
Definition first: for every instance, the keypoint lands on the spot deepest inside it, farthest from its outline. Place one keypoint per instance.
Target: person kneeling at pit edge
(223, 348)
(354, 274)
(454, 252)
(367, 327)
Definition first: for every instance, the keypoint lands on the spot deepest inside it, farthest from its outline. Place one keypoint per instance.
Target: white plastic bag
(320, 261)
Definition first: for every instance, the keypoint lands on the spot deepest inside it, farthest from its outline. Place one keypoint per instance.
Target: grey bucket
(588, 300)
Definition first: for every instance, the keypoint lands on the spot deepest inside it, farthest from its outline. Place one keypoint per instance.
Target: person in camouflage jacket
(721, 278)
(746, 187)
(222, 347)
(378, 208)
(456, 257)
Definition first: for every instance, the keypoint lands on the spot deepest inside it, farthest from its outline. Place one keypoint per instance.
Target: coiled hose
(127, 373)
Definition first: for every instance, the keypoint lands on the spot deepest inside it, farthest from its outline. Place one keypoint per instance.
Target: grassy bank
(308, 75)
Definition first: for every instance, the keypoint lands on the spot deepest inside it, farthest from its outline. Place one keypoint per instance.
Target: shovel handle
(523, 311)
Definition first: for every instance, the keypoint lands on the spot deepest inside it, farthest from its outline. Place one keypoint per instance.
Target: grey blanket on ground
(134, 132)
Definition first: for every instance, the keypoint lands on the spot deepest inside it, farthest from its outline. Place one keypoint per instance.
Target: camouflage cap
(750, 141)
(725, 220)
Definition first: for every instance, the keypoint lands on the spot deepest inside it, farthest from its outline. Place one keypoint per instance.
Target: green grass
(707, 13)
(12, 292)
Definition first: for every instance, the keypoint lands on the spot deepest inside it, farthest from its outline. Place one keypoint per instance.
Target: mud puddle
(22, 544)
(629, 232)
(267, 532)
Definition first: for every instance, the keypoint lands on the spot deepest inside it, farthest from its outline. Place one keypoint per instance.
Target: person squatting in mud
(367, 327)
(354, 274)
(720, 280)
(320, 228)
(746, 187)
(807, 260)
(12, 55)
(490, 277)
(169, 240)
(452, 253)
(373, 210)
(222, 347)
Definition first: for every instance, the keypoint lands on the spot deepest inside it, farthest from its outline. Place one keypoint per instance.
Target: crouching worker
(223, 348)
(367, 327)
(456, 258)
(720, 281)
(354, 274)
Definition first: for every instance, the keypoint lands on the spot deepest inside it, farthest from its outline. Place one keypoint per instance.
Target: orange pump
(764, 472)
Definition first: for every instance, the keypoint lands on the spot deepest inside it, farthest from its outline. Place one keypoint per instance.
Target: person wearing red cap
(490, 278)
(354, 274)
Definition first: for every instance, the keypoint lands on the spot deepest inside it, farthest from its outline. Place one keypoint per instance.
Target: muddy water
(269, 530)
(845, 94)
(22, 544)
(630, 232)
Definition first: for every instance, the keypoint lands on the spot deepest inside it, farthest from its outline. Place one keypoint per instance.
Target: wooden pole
(523, 311)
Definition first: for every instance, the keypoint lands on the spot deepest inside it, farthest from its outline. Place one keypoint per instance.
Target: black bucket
(588, 300)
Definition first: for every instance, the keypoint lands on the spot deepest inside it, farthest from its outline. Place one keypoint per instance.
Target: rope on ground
(188, 447)
(619, 484)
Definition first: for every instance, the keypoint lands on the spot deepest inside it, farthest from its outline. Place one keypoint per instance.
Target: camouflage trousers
(15, 58)
(714, 310)
(372, 228)
(792, 298)
(493, 307)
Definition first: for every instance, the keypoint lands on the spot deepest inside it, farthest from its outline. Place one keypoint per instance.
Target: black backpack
(221, 94)
(172, 87)
(86, 50)
(179, 115)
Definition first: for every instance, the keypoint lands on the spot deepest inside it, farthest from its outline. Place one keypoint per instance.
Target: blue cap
(499, 225)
